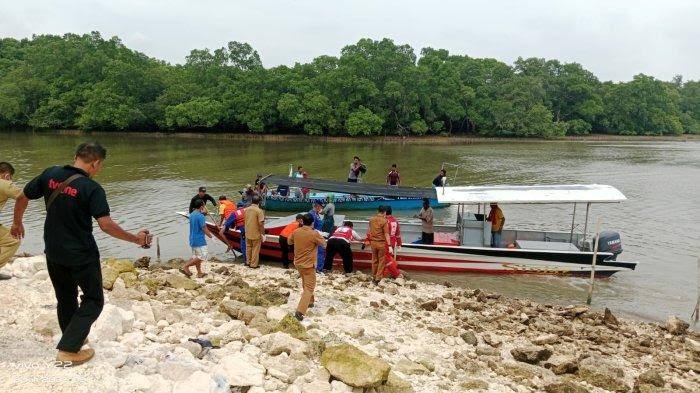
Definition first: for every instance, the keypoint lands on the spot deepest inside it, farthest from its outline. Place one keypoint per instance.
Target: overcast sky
(615, 39)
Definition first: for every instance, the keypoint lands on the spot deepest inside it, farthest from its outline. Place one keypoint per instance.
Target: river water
(147, 179)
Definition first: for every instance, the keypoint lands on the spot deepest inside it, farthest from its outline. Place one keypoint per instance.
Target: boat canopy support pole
(585, 226)
(573, 221)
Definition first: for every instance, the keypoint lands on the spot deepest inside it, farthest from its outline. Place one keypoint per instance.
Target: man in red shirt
(393, 178)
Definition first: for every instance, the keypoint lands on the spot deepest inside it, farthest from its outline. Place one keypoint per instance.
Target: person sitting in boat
(339, 243)
(393, 178)
(357, 168)
(441, 179)
(262, 191)
(426, 217)
(204, 197)
(328, 212)
(497, 219)
(315, 213)
(247, 195)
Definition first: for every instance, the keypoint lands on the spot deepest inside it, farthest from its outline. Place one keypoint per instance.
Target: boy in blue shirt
(198, 243)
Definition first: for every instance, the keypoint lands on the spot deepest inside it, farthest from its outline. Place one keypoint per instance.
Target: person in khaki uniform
(378, 239)
(254, 232)
(8, 244)
(306, 242)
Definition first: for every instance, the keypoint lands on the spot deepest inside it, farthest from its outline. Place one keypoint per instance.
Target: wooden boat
(463, 247)
(345, 195)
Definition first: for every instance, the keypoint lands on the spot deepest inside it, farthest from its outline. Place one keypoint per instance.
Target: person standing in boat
(305, 241)
(393, 178)
(379, 241)
(497, 219)
(284, 238)
(8, 244)
(203, 196)
(441, 179)
(339, 243)
(328, 212)
(72, 200)
(302, 174)
(254, 232)
(357, 168)
(247, 195)
(426, 217)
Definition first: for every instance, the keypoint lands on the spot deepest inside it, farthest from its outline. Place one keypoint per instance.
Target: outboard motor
(610, 241)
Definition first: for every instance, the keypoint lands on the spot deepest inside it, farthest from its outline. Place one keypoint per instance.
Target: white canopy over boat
(565, 193)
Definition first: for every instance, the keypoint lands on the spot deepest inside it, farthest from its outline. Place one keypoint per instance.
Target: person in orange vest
(226, 207)
(237, 220)
(284, 238)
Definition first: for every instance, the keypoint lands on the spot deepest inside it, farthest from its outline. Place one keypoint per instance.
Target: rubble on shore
(232, 331)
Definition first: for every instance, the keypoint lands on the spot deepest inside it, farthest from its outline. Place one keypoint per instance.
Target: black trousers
(338, 246)
(285, 247)
(75, 320)
(427, 238)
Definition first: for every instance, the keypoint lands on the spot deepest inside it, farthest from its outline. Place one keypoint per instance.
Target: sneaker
(70, 359)
(299, 316)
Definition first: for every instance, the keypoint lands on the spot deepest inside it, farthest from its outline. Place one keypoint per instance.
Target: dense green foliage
(373, 88)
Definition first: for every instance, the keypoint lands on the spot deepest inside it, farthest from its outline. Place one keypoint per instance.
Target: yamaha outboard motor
(610, 241)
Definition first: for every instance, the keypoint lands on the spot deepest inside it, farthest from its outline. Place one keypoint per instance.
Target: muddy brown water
(147, 179)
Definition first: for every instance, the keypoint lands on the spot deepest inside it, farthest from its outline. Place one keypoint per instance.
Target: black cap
(202, 189)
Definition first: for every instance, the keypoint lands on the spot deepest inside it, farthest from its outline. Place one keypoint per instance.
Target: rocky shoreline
(232, 332)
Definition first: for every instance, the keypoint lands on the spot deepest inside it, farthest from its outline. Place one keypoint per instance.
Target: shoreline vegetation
(373, 88)
(402, 336)
(410, 139)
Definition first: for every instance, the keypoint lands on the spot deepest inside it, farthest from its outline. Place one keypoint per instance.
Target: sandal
(185, 272)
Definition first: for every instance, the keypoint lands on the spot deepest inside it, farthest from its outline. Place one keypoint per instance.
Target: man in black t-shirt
(72, 200)
(201, 194)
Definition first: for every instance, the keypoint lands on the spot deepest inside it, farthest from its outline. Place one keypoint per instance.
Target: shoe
(375, 282)
(299, 316)
(185, 272)
(5, 277)
(201, 275)
(254, 267)
(70, 359)
(311, 305)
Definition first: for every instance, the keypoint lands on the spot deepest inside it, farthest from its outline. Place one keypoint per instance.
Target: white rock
(201, 382)
(143, 312)
(178, 368)
(41, 275)
(276, 313)
(108, 326)
(160, 384)
(283, 368)
(204, 328)
(140, 325)
(340, 387)
(241, 370)
(128, 320)
(46, 324)
(112, 356)
(162, 324)
(133, 339)
(192, 347)
(256, 389)
(276, 343)
(138, 382)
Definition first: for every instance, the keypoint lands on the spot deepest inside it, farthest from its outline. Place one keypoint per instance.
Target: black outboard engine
(610, 241)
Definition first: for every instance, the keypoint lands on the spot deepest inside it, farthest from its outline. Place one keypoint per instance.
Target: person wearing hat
(497, 219)
(203, 196)
(315, 214)
(248, 193)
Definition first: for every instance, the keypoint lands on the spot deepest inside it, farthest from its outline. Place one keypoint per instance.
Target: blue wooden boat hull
(343, 204)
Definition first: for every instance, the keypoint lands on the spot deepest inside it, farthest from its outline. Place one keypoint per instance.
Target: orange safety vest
(287, 231)
(240, 217)
(229, 207)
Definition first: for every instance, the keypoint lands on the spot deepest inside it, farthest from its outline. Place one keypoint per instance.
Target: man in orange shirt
(379, 240)
(497, 219)
(284, 239)
(306, 241)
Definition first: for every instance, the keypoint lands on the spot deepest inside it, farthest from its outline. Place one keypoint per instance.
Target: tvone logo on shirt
(70, 191)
